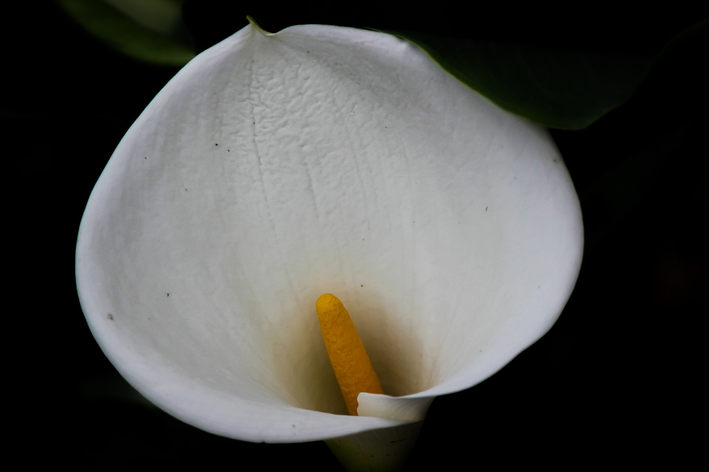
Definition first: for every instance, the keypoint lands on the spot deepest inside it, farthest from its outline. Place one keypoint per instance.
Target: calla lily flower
(277, 167)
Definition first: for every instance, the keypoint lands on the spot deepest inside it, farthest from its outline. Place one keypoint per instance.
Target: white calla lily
(275, 168)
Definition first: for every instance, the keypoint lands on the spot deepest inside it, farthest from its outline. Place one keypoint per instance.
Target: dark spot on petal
(168, 294)
(110, 317)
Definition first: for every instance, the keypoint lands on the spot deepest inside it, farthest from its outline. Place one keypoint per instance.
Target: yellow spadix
(348, 357)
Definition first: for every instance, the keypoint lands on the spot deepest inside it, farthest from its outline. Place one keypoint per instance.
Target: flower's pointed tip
(255, 24)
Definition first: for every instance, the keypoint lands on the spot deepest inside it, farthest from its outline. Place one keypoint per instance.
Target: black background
(616, 380)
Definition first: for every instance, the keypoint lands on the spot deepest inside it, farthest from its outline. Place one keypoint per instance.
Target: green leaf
(555, 88)
(125, 34)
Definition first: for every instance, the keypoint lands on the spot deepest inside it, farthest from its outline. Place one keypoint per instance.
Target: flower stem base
(379, 450)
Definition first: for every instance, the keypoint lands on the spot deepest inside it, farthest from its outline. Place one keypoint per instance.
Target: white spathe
(275, 168)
